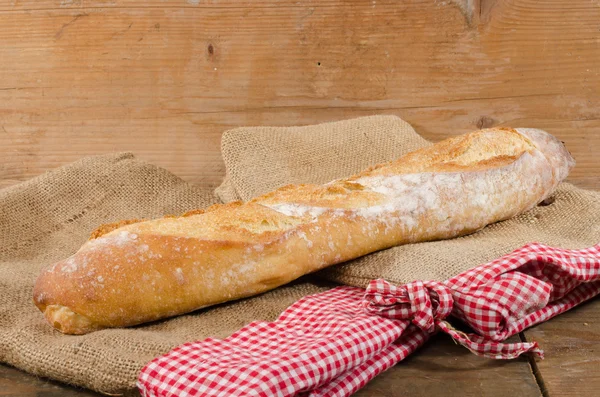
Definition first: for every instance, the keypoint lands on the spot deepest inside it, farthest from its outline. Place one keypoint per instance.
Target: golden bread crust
(139, 271)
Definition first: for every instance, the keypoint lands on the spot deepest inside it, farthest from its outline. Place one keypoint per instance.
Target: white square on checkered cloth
(328, 344)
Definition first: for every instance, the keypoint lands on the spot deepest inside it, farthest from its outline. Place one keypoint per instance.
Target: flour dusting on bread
(138, 271)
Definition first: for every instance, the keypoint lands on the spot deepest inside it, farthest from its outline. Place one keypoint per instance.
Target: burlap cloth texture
(49, 217)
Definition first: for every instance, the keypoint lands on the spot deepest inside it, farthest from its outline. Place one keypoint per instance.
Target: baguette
(139, 271)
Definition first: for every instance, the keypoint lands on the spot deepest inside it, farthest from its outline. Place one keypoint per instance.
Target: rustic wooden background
(165, 78)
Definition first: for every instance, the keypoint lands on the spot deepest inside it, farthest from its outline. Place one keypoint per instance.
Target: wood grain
(443, 368)
(19, 384)
(571, 342)
(164, 79)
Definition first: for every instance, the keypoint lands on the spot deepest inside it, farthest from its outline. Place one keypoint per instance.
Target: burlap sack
(260, 159)
(47, 219)
(320, 153)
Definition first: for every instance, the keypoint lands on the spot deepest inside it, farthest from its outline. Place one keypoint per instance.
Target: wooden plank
(164, 79)
(467, 6)
(16, 383)
(443, 368)
(571, 342)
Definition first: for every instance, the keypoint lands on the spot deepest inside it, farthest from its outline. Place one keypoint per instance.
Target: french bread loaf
(139, 271)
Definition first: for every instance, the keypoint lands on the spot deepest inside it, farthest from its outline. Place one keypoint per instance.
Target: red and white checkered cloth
(335, 342)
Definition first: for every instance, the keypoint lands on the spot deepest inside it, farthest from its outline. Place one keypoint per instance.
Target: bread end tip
(67, 321)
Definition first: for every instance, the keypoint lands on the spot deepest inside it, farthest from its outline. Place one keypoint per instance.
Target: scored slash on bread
(134, 272)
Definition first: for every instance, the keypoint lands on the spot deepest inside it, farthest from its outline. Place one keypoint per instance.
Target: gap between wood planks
(537, 374)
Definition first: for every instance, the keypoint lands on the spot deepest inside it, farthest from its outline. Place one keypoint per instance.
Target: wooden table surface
(165, 78)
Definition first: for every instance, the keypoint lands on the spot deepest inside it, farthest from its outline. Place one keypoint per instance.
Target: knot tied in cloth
(423, 303)
(489, 310)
